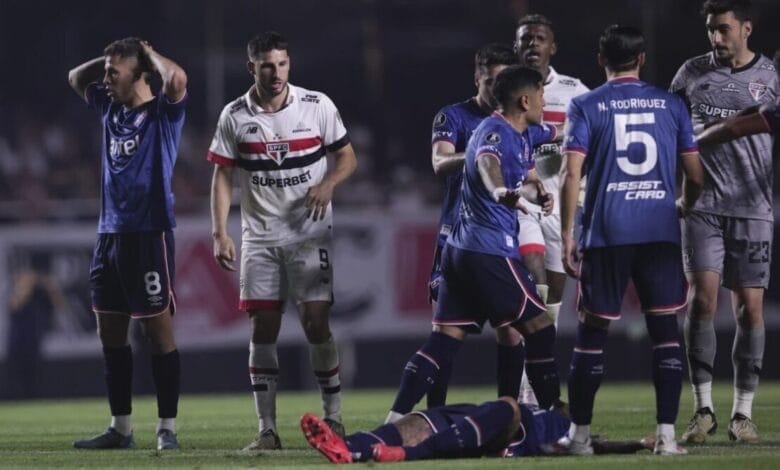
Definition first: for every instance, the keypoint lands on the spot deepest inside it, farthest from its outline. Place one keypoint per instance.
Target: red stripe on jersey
(246, 304)
(219, 159)
(555, 117)
(295, 145)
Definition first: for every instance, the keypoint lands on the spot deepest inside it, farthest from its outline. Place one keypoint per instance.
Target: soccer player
(625, 137)
(452, 128)
(278, 135)
(727, 239)
(540, 235)
(482, 276)
(133, 262)
(501, 428)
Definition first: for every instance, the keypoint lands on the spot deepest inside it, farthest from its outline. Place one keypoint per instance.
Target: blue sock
(118, 363)
(166, 371)
(421, 370)
(437, 394)
(667, 366)
(587, 370)
(509, 369)
(467, 435)
(541, 368)
(360, 443)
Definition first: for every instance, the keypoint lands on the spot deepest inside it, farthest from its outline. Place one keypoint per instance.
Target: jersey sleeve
(174, 111)
(334, 134)
(542, 134)
(445, 127)
(686, 140)
(680, 83)
(577, 136)
(97, 98)
(223, 149)
(581, 88)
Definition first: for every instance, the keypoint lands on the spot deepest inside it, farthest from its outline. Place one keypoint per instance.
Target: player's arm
(533, 190)
(732, 128)
(174, 77)
(89, 72)
(221, 191)
(489, 167)
(693, 181)
(445, 159)
(571, 174)
(319, 196)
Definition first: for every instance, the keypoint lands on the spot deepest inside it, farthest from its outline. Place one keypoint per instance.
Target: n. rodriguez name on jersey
(282, 156)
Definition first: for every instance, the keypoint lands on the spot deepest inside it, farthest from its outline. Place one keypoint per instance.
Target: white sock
(743, 403)
(325, 362)
(264, 374)
(167, 423)
(527, 395)
(666, 431)
(122, 424)
(552, 312)
(579, 433)
(702, 396)
(392, 417)
(542, 290)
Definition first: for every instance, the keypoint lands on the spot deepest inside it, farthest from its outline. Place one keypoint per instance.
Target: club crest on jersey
(493, 138)
(439, 120)
(757, 90)
(278, 151)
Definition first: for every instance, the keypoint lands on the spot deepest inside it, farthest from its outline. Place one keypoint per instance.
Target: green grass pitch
(212, 429)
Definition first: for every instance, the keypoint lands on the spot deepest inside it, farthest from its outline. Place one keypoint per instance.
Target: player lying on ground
(499, 428)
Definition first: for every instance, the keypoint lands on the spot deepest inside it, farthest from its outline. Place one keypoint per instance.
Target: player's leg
(113, 319)
(746, 273)
(262, 297)
(152, 301)
(510, 360)
(703, 257)
(437, 394)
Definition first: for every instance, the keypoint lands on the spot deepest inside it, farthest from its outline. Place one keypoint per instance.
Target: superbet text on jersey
(631, 134)
(282, 154)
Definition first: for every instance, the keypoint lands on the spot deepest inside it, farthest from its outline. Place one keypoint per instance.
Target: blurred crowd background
(387, 64)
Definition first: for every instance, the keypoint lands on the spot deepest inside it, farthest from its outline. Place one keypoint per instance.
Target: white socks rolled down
(325, 362)
(264, 375)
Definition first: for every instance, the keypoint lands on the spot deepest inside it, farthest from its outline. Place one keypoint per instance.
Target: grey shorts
(737, 248)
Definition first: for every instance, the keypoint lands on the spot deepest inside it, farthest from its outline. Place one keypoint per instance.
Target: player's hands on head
(317, 199)
(225, 252)
(570, 256)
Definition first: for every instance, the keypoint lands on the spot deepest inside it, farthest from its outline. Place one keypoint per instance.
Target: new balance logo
(252, 130)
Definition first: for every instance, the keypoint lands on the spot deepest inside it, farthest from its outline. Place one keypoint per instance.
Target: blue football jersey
(138, 154)
(454, 123)
(631, 134)
(537, 429)
(483, 224)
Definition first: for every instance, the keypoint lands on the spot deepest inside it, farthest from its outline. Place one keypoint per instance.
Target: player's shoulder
(492, 131)
(459, 109)
(698, 65)
(765, 65)
(568, 82)
(235, 107)
(309, 97)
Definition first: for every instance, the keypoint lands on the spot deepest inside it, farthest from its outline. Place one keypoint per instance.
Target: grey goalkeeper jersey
(738, 179)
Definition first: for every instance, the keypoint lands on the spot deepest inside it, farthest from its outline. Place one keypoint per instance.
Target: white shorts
(541, 233)
(270, 275)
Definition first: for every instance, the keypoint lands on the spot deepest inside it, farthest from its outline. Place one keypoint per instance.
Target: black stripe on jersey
(287, 163)
(338, 144)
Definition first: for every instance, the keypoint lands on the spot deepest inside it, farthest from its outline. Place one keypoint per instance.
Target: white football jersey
(558, 92)
(279, 156)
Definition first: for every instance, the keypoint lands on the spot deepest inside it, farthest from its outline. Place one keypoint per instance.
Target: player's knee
(534, 262)
(316, 329)
(508, 336)
(662, 328)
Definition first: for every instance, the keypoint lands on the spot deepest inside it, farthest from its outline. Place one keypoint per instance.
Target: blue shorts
(435, 279)
(132, 273)
(442, 418)
(478, 287)
(655, 268)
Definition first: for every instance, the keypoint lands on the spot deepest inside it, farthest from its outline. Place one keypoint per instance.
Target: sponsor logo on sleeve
(439, 120)
(493, 138)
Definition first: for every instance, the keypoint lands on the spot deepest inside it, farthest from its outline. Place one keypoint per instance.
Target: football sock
(747, 356)
(665, 430)
(325, 362)
(700, 347)
(122, 424)
(118, 363)
(264, 374)
(166, 370)
(360, 443)
(587, 370)
(541, 367)
(543, 290)
(166, 423)
(463, 438)
(509, 369)
(667, 366)
(579, 432)
(421, 370)
(552, 311)
(437, 394)
(526, 392)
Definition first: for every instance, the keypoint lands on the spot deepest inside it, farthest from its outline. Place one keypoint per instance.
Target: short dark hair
(742, 9)
(535, 18)
(512, 80)
(131, 47)
(495, 54)
(266, 42)
(620, 47)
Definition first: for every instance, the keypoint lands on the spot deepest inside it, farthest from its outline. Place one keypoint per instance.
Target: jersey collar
(552, 76)
(254, 108)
